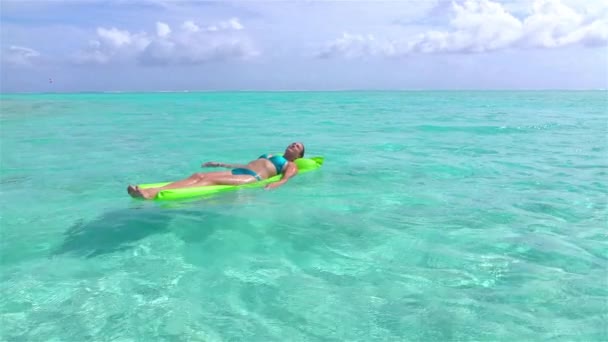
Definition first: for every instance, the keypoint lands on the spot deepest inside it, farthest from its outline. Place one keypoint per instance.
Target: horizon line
(296, 90)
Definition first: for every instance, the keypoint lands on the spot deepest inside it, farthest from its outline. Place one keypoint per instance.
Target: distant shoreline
(295, 91)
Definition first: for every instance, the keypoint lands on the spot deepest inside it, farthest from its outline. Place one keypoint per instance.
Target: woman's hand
(273, 185)
(212, 164)
(290, 170)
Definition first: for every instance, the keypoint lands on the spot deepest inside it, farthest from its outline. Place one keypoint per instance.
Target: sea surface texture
(437, 216)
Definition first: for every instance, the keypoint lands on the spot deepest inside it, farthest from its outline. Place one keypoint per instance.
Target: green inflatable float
(304, 165)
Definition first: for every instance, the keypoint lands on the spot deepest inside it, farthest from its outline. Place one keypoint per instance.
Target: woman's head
(294, 150)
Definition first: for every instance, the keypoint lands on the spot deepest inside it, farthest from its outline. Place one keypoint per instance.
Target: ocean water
(437, 216)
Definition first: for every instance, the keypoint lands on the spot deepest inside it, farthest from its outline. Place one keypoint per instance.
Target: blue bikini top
(278, 161)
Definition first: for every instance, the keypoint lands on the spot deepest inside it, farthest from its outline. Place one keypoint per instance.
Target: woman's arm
(290, 171)
(226, 165)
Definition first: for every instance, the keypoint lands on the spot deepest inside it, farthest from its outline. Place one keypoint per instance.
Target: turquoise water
(437, 216)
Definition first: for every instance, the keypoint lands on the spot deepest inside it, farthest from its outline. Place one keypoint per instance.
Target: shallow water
(437, 216)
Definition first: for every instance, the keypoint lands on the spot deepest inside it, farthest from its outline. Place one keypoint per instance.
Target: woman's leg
(229, 179)
(197, 179)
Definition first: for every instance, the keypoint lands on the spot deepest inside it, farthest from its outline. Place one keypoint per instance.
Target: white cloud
(549, 22)
(20, 56)
(356, 45)
(162, 30)
(190, 26)
(188, 45)
(483, 25)
(112, 45)
(232, 24)
(114, 36)
(192, 45)
(594, 34)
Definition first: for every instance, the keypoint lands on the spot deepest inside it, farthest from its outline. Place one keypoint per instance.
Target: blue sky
(156, 45)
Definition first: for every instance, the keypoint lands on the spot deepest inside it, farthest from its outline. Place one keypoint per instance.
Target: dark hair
(302, 154)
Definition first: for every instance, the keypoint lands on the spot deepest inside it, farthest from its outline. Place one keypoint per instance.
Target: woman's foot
(136, 192)
(133, 191)
(147, 193)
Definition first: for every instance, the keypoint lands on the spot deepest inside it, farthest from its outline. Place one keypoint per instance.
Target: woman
(264, 167)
